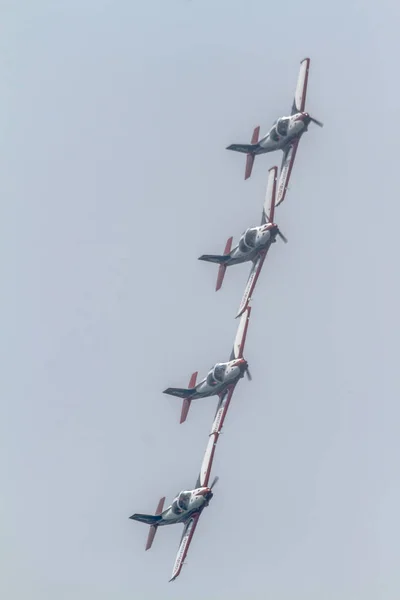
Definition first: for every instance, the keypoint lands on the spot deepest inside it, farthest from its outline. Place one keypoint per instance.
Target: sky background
(114, 178)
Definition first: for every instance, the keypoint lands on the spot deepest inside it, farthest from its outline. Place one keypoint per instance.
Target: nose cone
(274, 229)
(206, 493)
(306, 118)
(241, 363)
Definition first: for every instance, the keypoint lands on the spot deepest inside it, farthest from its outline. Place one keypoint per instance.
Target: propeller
(316, 121)
(283, 238)
(214, 482)
(248, 374)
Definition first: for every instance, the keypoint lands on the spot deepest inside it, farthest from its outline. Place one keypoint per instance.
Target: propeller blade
(283, 238)
(316, 122)
(214, 482)
(249, 377)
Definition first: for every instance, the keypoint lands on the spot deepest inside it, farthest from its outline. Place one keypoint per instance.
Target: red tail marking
(249, 165)
(153, 528)
(222, 268)
(160, 506)
(186, 402)
(250, 157)
(256, 133)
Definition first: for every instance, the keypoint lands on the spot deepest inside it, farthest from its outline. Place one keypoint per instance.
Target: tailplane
(221, 260)
(186, 402)
(248, 149)
(152, 520)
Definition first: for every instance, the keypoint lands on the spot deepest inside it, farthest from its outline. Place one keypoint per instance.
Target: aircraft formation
(221, 380)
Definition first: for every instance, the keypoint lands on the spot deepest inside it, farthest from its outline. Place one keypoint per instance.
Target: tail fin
(180, 392)
(220, 259)
(251, 156)
(186, 402)
(151, 520)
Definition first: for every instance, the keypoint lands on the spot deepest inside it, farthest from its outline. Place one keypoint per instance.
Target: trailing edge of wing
(188, 531)
(240, 339)
(300, 94)
(270, 196)
(286, 170)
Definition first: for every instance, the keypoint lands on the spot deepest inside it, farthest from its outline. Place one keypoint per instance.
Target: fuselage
(283, 131)
(253, 241)
(220, 377)
(185, 505)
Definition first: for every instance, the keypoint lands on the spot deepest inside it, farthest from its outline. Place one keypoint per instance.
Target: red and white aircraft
(284, 135)
(253, 245)
(222, 377)
(186, 508)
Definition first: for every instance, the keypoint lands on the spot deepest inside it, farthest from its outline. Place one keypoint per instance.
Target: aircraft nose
(241, 362)
(206, 492)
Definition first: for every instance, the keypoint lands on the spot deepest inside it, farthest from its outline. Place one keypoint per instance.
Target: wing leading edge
(241, 334)
(270, 196)
(286, 170)
(187, 535)
(299, 101)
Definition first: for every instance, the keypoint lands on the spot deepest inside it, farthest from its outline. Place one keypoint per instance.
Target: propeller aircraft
(284, 135)
(186, 508)
(253, 245)
(222, 376)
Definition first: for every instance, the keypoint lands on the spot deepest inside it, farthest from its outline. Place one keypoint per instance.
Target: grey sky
(114, 179)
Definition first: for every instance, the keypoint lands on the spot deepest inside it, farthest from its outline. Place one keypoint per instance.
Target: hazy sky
(114, 179)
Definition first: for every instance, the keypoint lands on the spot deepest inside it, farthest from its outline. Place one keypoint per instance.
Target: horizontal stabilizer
(186, 402)
(180, 392)
(149, 519)
(220, 259)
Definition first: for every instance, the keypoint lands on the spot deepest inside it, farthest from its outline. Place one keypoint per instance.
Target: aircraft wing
(188, 531)
(206, 465)
(240, 339)
(269, 202)
(299, 101)
(251, 282)
(286, 170)
(222, 408)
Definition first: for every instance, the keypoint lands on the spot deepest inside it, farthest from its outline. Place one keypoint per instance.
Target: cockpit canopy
(216, 375)
(283, 125)
(181, 503)
(280, 127)
(250, 237)
(247, 241)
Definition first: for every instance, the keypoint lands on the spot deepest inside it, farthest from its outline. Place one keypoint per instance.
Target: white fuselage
(281, 133)
(253, 241)
(184, 505)
(219, 377)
